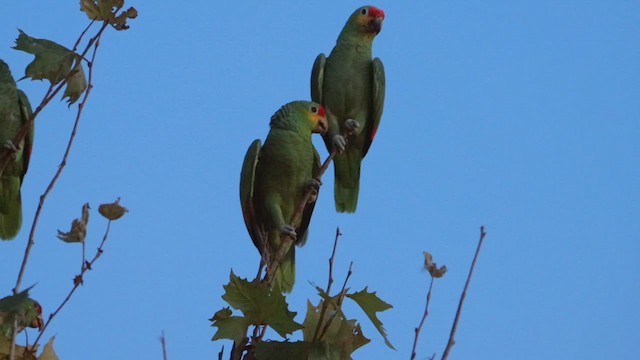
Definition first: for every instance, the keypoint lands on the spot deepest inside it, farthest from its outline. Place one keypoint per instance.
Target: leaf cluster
(263, 307)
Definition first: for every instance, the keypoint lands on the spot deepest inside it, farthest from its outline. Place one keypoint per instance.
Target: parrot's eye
(363, 11)
(314, 109)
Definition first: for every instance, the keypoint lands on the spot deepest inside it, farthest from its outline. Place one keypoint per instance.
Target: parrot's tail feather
(347, 181)
(10, 207)
(286, 272)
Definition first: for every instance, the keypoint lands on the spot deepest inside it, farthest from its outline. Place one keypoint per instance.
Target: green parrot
(22, 308)
(350, 86)
(274, 179)
(15, 111)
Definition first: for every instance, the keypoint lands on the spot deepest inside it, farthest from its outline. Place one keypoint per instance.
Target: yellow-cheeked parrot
(15, 111)
(351, 86)
(274, 180)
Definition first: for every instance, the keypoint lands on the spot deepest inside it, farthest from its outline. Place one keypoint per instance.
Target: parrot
(15, 112)
(22, 308)
(351, 87)
(274, 180)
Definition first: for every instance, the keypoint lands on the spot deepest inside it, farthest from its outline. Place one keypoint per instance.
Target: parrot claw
(351, 125)
(288, 230)
(12, 148)
(339, 143)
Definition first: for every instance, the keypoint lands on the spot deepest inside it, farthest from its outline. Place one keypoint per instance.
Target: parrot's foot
(288, 230)
(351, 126)
(339, 143)
(313, 185)
(12, 148)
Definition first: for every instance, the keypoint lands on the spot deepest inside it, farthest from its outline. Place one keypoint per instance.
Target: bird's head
(318, 118)
(367, 20)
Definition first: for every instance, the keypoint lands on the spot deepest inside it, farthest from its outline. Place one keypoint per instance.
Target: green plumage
(350, 85)
(275, 178)
(20, 308)
(15, 112)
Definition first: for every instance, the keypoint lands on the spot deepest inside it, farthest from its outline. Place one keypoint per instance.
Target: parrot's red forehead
(321, 111)
(375, 12)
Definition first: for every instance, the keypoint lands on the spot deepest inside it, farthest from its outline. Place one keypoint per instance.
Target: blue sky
(523, 117)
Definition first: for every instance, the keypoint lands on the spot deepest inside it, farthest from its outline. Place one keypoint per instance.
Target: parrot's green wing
(317, 78)
(377, 103)
(308, 209)
(25, 114)
(247, 181)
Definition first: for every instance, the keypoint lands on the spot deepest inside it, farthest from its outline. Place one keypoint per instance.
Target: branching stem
(77, 281)
(93, 43)
(323, 310)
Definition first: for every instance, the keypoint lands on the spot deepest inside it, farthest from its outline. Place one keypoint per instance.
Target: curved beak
(322, 126)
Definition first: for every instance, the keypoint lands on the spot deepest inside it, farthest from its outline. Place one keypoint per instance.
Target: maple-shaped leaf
(232, 328)
(370, 303)
(48, 353)
(105, 10)
(260, 305)
(53, 62)
(303, 350)
(345, 335)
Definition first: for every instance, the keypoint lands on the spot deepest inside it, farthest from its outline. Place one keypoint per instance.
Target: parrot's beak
(322, 126)
(37, 323)
(376, 17)
(375, 24)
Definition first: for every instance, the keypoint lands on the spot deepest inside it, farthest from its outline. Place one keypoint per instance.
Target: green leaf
(76, 84)
(371, 304)
(48, 353)
(260, 305)
(52, 61)
(232, 328)
(342, 334)
(300, 350)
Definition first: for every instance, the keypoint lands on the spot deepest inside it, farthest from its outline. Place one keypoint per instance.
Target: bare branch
(343, 292)
(93, 43)
(77, 281)
(287, 241)
(424, 317)
(163, 342)
(323, 310)
(462, 297)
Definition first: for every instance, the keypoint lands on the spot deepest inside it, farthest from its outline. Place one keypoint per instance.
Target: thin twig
(343, 292)
(424, 317)
(451, 341)
(95, 43)
(323, 310)
(77, 281)
(163, 342)
(221, 353)
(287, 241)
